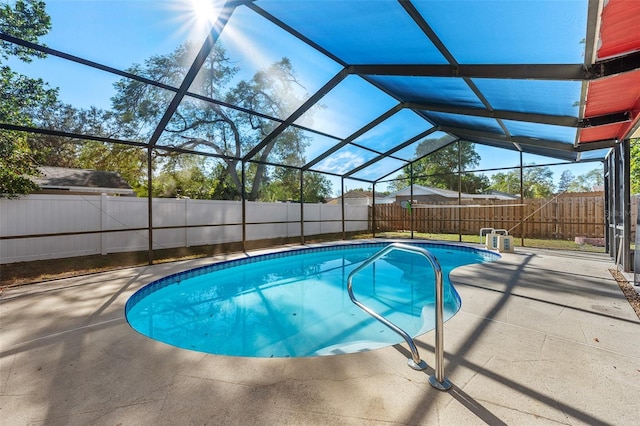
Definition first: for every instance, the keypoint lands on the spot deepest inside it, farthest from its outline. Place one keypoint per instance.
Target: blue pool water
(295, 303)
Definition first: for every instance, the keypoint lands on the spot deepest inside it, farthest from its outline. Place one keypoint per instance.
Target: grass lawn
(528, 242)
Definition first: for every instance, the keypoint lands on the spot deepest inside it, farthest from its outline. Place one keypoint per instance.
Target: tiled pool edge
(156, 285)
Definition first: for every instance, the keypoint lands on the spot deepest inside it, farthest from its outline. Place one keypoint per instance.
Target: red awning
(620, 28)
(619, 36)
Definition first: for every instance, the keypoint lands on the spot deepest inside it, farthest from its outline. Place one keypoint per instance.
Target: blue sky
(120, 33)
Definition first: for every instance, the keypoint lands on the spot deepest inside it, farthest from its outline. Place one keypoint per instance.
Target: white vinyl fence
(189, 222)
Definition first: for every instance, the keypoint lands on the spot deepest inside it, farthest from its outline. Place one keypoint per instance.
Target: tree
(27, 20)
(587, 181)
(56, 151)
(182, 177)
(595, 176)
(566, 178)
(222, 186)
(16, 164)
(128, 161)
(439, 169)
(284, 185)
(317, 188)
(537, 182)
(635, 166)
(212, 127)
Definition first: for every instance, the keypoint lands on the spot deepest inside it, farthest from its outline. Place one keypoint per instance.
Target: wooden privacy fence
(563, 217)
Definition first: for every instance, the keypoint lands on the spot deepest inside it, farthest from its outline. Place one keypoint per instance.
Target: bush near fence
(563, 217)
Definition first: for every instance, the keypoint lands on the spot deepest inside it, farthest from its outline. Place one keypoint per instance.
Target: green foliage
(129, 161)
(222, 185)
(583, 183)
(27, 20)
(586, 182)
(439, 169)
(211, 127)
(635, 166)
(16, 164)
(20, 94)
(56, 151)
(184, 176)
(537, 182)
(184, 183)
(317, 188)
(284, 185)
(566, 179)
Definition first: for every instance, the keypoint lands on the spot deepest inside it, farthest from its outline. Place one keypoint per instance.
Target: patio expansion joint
(61, 333)
(528, 414)
(4, 378)
(97, 410)
(252, 384)
(561, 408)
(544, 343)
(476, 373)
(333, 417)
(584, 333)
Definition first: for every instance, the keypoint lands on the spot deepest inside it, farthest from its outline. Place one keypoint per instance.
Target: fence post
(522, 211)
(301, 209)
(344, 235)
(104, 223)
(186, 223)
(243, 197)
(636, 251)
(373, 211)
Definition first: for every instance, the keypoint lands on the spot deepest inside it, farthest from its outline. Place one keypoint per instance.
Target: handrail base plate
(443, 385)
(419, 366)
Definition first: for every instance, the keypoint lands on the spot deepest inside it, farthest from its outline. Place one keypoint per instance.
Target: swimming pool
(295, 303)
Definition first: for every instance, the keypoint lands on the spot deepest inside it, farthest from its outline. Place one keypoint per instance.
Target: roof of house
(424, 190)
(361, 194)
(419, 190)
(82, 180)
(357, 194)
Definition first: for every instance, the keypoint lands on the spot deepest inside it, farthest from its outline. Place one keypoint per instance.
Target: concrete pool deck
(543, 337)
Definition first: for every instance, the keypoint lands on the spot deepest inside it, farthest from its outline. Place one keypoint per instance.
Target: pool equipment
(497, 239)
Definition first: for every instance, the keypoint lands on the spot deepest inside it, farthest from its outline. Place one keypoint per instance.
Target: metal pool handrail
(437, 380)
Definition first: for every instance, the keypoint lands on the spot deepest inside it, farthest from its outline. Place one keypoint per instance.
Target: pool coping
(275, 254)
(179, 278)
